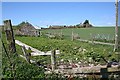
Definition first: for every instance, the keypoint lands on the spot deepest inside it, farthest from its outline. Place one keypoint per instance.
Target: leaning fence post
(53, 60)
(25, 54)
(9, 35)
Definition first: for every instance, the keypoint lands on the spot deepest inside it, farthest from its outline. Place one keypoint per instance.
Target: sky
(43, 14)
(58, 0)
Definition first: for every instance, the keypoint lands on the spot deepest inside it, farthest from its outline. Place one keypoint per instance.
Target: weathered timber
(26, 54)
(116, 29)
(9, 35)
(53, 60)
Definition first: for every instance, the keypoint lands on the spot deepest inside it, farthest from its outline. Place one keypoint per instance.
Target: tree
(86, 24)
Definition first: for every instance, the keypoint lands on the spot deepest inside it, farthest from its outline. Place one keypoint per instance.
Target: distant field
(84, 33)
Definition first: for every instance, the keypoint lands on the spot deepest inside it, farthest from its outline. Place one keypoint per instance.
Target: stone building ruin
(26, 29)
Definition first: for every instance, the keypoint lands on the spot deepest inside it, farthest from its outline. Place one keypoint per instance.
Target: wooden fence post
(9, 35)
(61, 34)
(53, 60)
(72, 36)
(92, 38)
(104, 73)
(26, 54)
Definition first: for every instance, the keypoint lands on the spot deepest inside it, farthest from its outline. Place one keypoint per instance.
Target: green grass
(84, 33)
(23, 69)
(69, 49)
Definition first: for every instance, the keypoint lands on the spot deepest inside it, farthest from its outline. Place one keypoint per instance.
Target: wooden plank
(35, 52)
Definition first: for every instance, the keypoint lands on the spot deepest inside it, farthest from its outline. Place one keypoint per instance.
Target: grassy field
(84, 33)
(75, 51)
(70, 50)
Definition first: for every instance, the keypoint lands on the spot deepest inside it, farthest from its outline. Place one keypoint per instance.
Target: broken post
(92, 37)
(25, 54)
(53, 60)
(72, 36)
(61, 34)
(9, 35)
(104, 73)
